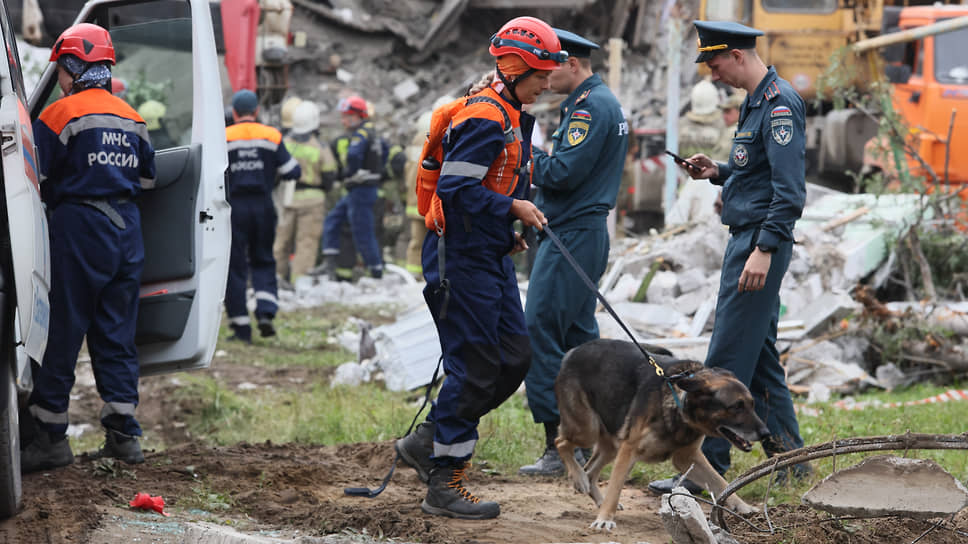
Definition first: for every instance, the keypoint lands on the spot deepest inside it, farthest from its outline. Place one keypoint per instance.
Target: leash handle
(372, 493)
(591, 285)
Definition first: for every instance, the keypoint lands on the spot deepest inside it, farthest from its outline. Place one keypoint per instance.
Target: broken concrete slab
(684, 519)
(823, 362)
(664, 287)
(888, 485)
(829, 308)
(407, 350)
(862, 242)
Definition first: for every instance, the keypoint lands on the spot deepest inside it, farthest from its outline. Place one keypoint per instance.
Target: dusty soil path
(291, 490)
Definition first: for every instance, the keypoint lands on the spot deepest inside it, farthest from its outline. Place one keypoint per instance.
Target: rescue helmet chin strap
(511, 85)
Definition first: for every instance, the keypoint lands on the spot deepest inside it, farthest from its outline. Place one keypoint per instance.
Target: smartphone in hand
(680, 160)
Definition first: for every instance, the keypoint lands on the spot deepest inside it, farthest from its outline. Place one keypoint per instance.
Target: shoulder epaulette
(581, 98)
(772, 91)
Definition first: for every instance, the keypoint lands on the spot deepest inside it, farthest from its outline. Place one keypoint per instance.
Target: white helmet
(305, 118)
(289, 106)
(704, 98)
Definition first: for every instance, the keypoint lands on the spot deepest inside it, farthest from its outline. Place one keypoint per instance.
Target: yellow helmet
(152, 111)
(288, 107)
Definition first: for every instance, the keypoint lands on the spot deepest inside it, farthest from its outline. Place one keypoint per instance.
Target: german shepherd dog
(610, 397)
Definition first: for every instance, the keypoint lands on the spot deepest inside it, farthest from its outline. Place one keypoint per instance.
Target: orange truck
(925, 65)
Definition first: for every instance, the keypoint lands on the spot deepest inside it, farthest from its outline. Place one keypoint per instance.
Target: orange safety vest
(503, 174)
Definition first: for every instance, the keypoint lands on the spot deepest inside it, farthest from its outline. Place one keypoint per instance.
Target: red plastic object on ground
(146, 501)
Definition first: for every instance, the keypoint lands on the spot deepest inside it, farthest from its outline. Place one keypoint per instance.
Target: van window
(801, 6)
(154, 59)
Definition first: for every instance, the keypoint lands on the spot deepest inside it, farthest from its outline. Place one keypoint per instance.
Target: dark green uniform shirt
(579, 180)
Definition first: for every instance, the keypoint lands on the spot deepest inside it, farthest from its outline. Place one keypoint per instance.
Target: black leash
(591, 285)
(371, 493)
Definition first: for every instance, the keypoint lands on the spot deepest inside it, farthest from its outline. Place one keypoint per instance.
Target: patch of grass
(509, 438)
(206, 499)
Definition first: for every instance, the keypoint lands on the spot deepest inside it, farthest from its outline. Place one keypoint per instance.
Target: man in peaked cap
(578, 182)
(763, 195)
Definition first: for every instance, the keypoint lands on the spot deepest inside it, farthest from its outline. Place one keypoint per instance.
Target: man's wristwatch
(765, 249)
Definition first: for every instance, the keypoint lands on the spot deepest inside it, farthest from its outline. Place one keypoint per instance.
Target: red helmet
(531, 39)
(86, 41)
(354, 104)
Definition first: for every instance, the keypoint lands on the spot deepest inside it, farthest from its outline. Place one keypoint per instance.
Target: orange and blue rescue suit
(479, 317)
(95, 158)
(257, 156)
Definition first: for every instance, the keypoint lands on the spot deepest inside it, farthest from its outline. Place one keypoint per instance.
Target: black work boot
(447, 496)
(416, 448)
(241, 333)
(121, 446)
(45, 452)
(326, 269)
(549, 464)
(265, 327)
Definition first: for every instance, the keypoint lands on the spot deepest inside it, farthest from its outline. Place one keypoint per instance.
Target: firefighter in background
(153, 112)
(730, 107)
(94, 157)
(362, 159)
(701, 130)
(256, 156)
(119, 88)
(302, 219)
(289, 105)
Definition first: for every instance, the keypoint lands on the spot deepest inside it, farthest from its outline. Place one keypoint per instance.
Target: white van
(166, 52)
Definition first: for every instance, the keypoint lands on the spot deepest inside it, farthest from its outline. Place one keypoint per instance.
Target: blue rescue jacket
(92, 144)
(256, 156)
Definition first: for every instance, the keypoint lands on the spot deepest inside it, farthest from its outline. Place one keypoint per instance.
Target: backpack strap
(510, 133)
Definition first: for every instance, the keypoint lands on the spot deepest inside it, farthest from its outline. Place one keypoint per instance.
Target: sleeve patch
(582, 115)
(781, 111)
(782, 130)
(577, 131)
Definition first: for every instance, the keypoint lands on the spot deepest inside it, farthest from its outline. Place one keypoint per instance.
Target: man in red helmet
(95, 156)
(473, 292)
(362, 156)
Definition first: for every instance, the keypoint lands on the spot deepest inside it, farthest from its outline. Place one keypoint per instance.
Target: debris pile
(402, 55)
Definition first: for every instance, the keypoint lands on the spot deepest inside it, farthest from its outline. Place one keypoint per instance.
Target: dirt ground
(289, 490)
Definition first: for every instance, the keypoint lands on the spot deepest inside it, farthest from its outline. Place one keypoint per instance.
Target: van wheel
(11, 490)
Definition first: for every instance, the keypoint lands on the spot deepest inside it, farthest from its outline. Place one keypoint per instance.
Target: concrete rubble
(888, 485)
(686, 522)
(402, 55)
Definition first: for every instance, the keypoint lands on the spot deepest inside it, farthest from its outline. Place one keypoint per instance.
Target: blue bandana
(86, 75)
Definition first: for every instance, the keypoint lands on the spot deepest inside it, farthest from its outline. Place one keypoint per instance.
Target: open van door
(166, 55)
(24, 265)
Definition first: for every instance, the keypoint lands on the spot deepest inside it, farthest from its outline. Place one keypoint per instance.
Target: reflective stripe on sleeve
(462, 168)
